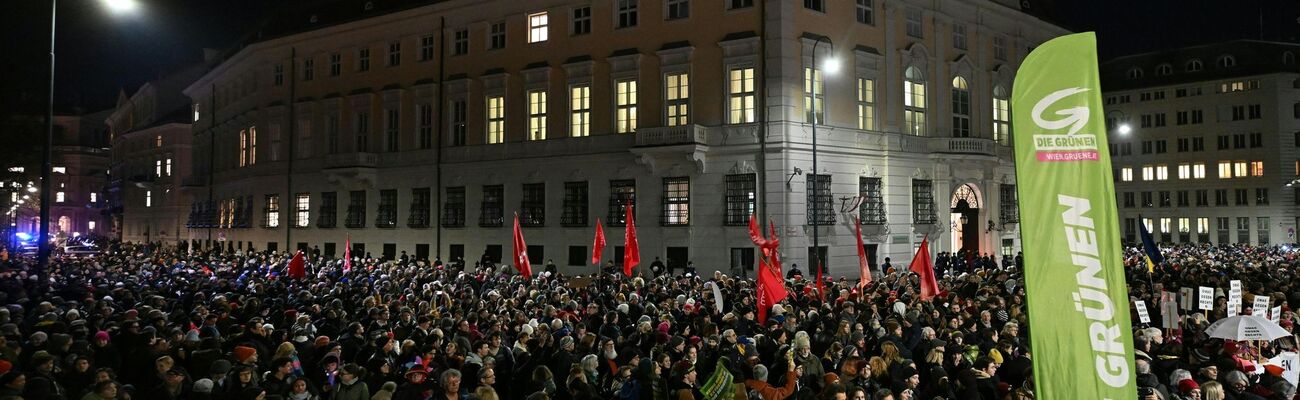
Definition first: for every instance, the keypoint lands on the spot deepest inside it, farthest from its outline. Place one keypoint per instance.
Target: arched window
(1288, 58)
(1001, 115)
(1135, 73)
(914, 101)
(1226, 61)
(1164, 69)
(1194, 65)
(960, 107)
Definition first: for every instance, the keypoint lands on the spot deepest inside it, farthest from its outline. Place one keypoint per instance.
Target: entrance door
(677, 258)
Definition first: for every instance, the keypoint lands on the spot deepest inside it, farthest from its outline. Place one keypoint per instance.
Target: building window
(1261, 196)
(1184, 198)
(157, 168)
(1184, 230)
(332, 132)
(1162, 172)
(243, 148)
(496, 119)
(59, 197)
(1256, 140)
(1000, 48)
(1184, 171)
(195, 109)
(1129, 200)
(1239, 169)
(1164, 69)
(1256, 168)
(1148, 173)
(819, 200)
(734, 4)
(1202, 198)
(1194, 66)
(394, 54)
(336, 64)
(871, 211)
(148, 198)
(302, 210)
(94, 197)
(1134, 73)
(424, 115)
(960, 108)
(1126, 174)
(740, 96)
(676, 202)
(1223, 229)
(622, 193)
(390, 129)
(866, 104)
(679, 9)
(741, 198)
(453, 208)
(1165, 199)
(575, 204)
(497, 36)
(421, 201)
(1001, 115)
(959, 36)
(625, 102)
(580, 111)
(914, 24)
(363, 131)
(329, 205)
(356, 209)
(1203, 230)
(492, 213)
(271, 212)
(426, 47)
(815, 5)
(252, 145)
(814, 96)
(387, 217)
(1261, 230)
(677, 98)
(459, 127)
(460, 42)
(1241, 198)
(538, 27)
(1165, 229)
(923, 202)
(914, 102)
(1226, 61)
(1007, 204)
(1225, 169)
(626, 13)
(537, 115)
(581, 20)
(864, 12)
(1220, 197)
(277, 75)
(363, 59)
(533, 205)
(1243, 230)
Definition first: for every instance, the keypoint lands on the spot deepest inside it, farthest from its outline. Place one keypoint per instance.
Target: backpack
(631, 390)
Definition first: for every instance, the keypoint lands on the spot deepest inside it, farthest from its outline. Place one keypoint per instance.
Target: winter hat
(101, 335)
(41, 357)
(995, 356)
(526, 330)
(830, 378)
(322, 341)
(244, 353)
(203, 386)
(622, 308)
(219, 367)
(565, 341)
(5, 367)
(906, 372)
(663, 327)
(1186, 386)
(681, 368)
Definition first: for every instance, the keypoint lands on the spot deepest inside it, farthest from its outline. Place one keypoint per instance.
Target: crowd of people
(150, 323)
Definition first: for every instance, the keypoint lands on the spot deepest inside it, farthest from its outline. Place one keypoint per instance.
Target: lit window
(1239, 169)
(272, 208)
(537, 27)
(148, 198)
(1184, 171)
(1162, 173)
(196, 112)
(1164, 225)
(496, 119)
(866, 104)
(59, 197)
(59, 170)
(1001, 115)
(302, 210)
(1198, 171)
(1126, 174)
(960, 107)
(580, 111)
(677, 88)
(740, 96)
(537, 115)
(157, 141)
(243, 148)
(91, 225)
(1225, 169)
(1148, 173)
(914, 101)
(157, 168)
(94, 197)
(167, 167)
(1256, 168)
(625, 115)
(814, 96)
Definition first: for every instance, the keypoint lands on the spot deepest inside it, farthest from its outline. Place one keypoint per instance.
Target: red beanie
(243, 353)
(5, 366)
(1186, 386)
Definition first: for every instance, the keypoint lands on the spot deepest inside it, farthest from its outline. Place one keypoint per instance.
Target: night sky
(100, 54)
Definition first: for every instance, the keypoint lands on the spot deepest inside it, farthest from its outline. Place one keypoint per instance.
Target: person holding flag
(632, 250)
(521, 262)
(598, 245)
(1150, 252)
(924, 267)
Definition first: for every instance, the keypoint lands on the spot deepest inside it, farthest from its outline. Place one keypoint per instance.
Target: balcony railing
(670, 135)
(964, 146)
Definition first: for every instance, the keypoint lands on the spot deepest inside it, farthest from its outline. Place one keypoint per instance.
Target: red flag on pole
(863, 269)
(821, 284)
(770, 288)
(298, 266)
(598, 246)
(922, 266)
(347, 256)
(521, 252)
(631, 250)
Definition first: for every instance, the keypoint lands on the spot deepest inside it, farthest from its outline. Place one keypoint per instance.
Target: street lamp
(1124, 129)
(831, 66)
(43, 251)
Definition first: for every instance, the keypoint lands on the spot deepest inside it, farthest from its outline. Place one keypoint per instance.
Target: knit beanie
(244, 353)
(1186, 386)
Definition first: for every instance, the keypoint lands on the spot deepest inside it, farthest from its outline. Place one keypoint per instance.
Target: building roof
(1172, 67)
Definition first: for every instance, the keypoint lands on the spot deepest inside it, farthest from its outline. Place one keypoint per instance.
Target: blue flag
(1152, 253)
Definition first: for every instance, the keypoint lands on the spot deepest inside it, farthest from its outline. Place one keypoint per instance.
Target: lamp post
(831, 66)
(47, 156)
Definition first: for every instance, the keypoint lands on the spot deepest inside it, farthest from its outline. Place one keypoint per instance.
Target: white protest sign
(1290, 363)
(1168, 310)
(1206, 298)
(1143, 314)
(1261, 305)
(1186, 296)
(1275, 314)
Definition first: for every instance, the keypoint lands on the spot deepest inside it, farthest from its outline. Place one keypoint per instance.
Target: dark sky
(100, 53)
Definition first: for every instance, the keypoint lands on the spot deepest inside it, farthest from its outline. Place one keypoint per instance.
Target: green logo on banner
(1082, 341)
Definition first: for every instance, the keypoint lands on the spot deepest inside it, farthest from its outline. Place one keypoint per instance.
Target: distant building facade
(425, 129)
(1205, 142)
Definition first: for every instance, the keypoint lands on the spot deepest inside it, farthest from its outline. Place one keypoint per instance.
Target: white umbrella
(1246, 327)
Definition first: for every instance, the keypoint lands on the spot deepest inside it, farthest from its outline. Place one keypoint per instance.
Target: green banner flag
(1081, 339)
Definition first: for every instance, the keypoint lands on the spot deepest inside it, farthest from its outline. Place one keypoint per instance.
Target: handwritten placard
(1143, 314)
(1206, 298)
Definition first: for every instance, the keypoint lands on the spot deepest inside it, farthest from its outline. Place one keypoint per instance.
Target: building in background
(80, 167)
(425, 127)
(1205, 142)
(151, 132)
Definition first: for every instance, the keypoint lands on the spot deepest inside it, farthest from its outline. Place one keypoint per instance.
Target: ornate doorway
(965, 209)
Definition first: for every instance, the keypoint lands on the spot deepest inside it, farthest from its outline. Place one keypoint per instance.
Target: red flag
(863, 269)
(298, 266)
(631, 250)
(922, 266)
(770, 288)
(347, 256)
(821, 284)
(598, 246)
(756, 234)
(760, 291)
(521, 252)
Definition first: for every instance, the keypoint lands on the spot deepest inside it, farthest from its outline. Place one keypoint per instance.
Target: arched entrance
(965, 219)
